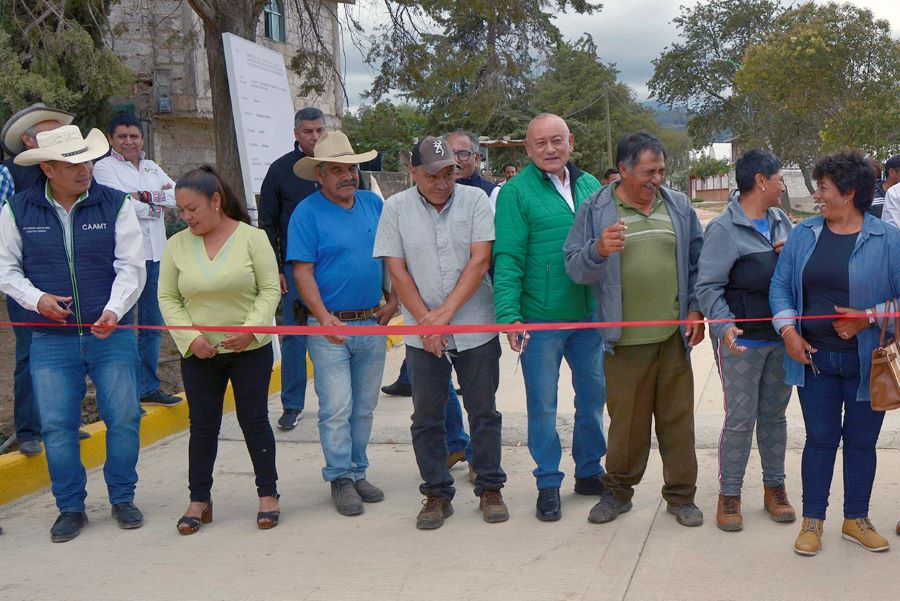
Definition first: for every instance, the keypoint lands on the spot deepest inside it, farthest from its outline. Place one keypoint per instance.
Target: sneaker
(687, 514)
(67, 526)
(368, 492)
(809, 541)
(398, 388)
(591, 486)
(289, 419)
(127, 515)
(548, 507)
(346, 500)
(158, 397)
(608, 508)
(776, 502)
(455, 457)
(30, 448)
(492, 507)
(434, 511)
(728, 513)
(861, 532)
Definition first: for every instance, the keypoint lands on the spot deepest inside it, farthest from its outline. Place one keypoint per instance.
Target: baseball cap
(432, 154)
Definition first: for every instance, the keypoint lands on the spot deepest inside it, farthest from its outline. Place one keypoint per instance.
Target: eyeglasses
(463, 155)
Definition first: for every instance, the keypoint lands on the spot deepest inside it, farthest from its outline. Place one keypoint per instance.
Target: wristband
(785, 329)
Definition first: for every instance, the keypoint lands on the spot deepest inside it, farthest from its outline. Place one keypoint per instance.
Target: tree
(483, 57)
(698, 71)
(52, 51)
(387, 128)
(825, 79)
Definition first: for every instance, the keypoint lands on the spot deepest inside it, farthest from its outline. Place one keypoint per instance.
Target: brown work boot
(455, 457)
(492, 506)
(861, 532)
(728, 513)
(776, 502)
(434, 511)
(809, 541)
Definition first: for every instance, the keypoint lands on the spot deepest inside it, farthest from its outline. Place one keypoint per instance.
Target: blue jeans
(149, 341)
(293, 350)
(822, 398)
(583, 350)
(59, 364)
(347, 378)
(28, 422)
(457, 438)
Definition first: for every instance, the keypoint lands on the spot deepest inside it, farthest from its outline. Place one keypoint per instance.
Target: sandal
(189, 524)
(266, 520)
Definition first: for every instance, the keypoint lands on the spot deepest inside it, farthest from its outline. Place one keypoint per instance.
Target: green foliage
(705, 166)
(387, 128)
(58, 62)
(465, 63)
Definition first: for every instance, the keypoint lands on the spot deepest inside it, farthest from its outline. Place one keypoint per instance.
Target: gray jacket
(586, 266)
(736, 266)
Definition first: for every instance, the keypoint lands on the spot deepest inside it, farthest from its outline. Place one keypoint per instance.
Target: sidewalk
(317, 554)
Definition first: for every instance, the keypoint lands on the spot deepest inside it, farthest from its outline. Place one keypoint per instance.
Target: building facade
(161, 41)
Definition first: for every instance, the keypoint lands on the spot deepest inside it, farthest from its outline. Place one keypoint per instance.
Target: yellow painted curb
(21, 475)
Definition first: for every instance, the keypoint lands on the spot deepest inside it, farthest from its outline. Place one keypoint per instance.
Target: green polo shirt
(649, 273)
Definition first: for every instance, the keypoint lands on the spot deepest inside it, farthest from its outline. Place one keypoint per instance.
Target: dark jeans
(457, 437)
(205, 381)
(28, 422)
(149, 341)
(479, 375)
(822, 398)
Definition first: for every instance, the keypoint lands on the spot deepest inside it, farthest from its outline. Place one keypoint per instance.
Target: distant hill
(673, 118)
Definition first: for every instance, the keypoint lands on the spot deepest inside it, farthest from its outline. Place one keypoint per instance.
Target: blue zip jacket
(874, 279)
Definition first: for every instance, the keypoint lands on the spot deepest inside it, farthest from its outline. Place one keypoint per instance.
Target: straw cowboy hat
(65, 144)
(19, 123)
(333, 147)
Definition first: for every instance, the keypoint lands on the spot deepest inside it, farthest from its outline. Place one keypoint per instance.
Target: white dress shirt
(131, 272)
(562, 186)
(891, 211)
(117, 172)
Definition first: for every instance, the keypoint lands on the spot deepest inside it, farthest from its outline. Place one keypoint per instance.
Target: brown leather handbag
(884, 380)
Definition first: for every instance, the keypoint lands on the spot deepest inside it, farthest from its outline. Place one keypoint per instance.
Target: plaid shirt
(7, 187)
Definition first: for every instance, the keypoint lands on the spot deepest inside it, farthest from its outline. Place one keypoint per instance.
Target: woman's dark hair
(206, 180)
(850, 171)
(753, 162)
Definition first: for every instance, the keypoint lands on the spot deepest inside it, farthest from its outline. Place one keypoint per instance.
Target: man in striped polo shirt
(638, 244)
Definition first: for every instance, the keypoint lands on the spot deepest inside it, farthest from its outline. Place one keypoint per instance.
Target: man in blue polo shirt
(330, 240)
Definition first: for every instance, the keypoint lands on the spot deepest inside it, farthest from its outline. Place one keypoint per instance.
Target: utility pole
(609, 154)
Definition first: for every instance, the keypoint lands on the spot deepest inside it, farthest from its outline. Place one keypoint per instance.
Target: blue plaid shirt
(7, 187)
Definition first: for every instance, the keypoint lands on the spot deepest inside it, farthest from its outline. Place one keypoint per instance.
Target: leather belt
(357, 315)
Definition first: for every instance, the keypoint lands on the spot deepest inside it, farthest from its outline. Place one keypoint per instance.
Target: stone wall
(389, 182)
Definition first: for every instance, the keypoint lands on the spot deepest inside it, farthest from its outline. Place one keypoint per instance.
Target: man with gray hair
(280, 194)
(638, 244)
(467, 150)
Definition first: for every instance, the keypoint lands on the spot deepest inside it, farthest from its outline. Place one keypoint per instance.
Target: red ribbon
(446, 329)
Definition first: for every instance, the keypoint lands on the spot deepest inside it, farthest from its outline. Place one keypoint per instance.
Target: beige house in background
(162, 42)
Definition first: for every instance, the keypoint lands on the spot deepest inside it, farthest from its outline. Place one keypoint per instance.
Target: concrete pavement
(317, 554)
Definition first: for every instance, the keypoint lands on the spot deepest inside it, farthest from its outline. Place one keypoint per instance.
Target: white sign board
(262, 106)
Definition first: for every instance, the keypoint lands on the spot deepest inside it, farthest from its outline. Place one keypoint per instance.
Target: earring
(217, 209)
(764, 189)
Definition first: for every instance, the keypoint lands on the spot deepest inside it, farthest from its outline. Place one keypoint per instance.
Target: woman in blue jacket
(843, 261)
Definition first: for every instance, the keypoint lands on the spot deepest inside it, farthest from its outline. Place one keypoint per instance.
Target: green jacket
(532, 222)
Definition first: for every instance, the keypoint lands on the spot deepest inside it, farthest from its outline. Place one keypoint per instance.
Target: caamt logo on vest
(93, 226)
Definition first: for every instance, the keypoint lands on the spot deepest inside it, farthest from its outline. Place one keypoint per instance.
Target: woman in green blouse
(221, 272)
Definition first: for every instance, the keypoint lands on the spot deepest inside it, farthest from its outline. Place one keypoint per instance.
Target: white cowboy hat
(333, 147)
(19, 123)
(65, 144)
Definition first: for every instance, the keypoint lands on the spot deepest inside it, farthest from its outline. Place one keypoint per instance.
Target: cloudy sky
(629, 33)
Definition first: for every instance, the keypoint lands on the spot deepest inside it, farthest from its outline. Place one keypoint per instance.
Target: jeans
(59, 364)
(205, 382)
(149, 341)
(543, 354)
(347, 378)
(822, 398)
(293, 351)
(457, 438)
(479, 373)
(28, 422)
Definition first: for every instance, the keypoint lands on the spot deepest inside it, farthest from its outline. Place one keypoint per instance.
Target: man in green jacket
(535, 211)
